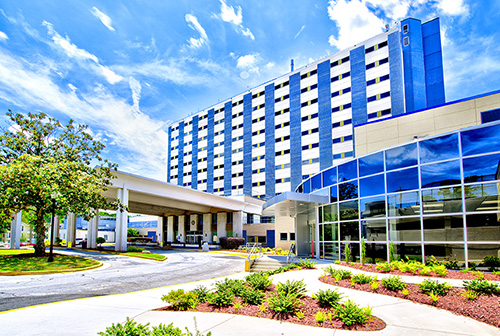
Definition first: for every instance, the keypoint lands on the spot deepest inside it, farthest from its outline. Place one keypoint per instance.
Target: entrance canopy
(290, 204)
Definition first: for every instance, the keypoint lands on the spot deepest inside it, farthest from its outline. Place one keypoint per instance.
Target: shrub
(434, 297)
(258, 281)
(100, 240)
(166, 330)
(350, 313)
(306, 263)
(479, 275)
(134, 249)
(492, 262)
(363, 251)
(392, 252)
(283, 303)
(362, 279)
(439, 269)
(252, 296)
(295, 287)
(320, 317)
(470, 295)
(130, 327)
(329, 297)
(374, 285)
(338, 274)
(300, 315)
(222, 298)
(393, 283)
(434, 286)
(202, 293)
(235, 286)
(385, 267)
(181, 300)
(347, 252)
(405, 292)
(482, 286)
(231, 243)
(425, 270)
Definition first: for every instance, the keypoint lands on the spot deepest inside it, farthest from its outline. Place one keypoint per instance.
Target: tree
(100, 240)
(42, 161)
(132, 232)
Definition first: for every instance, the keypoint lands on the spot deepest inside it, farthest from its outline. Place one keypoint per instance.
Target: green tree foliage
(42, 160)
(132, 232)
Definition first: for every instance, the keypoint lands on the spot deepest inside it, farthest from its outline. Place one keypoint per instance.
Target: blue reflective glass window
(484, 168)
(300, 188)
(440, 174)
(481, 140)
(441, 148)
(316, 182)
(349, 210)
(400, 157)
(348, 190)
(371, 164)
(373, 185)
(372, 207)
(333, 194)
(307, 187)
(348, 171)
(330, 177)
(400, 180)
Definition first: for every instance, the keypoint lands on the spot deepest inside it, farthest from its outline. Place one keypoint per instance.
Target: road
(118, 275)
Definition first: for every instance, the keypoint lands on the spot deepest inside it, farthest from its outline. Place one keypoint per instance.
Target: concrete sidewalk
(91, 315)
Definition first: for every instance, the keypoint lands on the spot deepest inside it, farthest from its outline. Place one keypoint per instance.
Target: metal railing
(254, 249)
(291, 254)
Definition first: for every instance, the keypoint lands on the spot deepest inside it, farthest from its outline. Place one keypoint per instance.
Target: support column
(122, 222)
(238, 224)
(182, 230)
(15, 231)
(57, 223)
(170, 229)
(207, 225)
(159, 231)
(70, 230)
(92, 232)
(221, 225)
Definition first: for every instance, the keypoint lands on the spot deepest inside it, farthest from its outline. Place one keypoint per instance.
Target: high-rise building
(268, 139)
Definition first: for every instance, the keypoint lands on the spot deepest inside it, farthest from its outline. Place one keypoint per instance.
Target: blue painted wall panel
(270, 141)
(270, 237)
(295, 132)
(325, 115)
(210, 151)
(245, 235)
(413, 66)
(396, 74)
(358, 86)
(180, 178)
(247, 144)
(228, 127)
(433, 62)
(169, 153)
(194, 164)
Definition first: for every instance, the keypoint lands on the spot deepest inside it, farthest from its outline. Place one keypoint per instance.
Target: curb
(54, 272)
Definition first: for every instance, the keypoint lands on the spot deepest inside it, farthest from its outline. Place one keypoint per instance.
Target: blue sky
(129, 68)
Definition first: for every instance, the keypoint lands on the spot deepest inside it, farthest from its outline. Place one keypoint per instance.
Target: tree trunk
(40, 234)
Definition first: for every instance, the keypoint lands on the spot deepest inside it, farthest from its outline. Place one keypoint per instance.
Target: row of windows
(379, 96)
(342, 139)
(258, 107)
(339, 62)
(341, 92)
(309, 74)
(341, 76)
(309, 88)
(377, 80)
(283, 180)
(379, 113)
(282, 125)
(376, 47)
(282, 152)
(310, 146)
(310, 102)
(343, 155)
(341, 107)
(377, 63)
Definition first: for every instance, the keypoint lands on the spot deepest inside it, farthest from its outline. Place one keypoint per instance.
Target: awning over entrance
(290, 204)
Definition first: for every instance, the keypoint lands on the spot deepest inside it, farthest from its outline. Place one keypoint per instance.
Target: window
(403, 156)
(292, 236)
(440, 148)
(406, 41)
(405, 29)
(283, 236)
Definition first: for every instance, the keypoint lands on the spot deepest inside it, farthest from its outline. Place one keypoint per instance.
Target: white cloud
(452, 7)
(300, 31)
(3, 36)
(72, 51)
(394, 9)
(234, 16)
(29, 86)
(195, 25)
(106, 20)
(247, 61)
(136, 88)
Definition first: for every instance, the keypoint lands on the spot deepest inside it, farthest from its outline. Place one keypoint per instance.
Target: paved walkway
(91, 315)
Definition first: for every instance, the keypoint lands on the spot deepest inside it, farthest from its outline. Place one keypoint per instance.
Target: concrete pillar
(70, 229)
(122, 222)
(92, 231)
(159, 231)
(182, 229)
(238, 224)
(57, 223)
(221, 225)
(207, 227)
(15, 231)
(170, 229)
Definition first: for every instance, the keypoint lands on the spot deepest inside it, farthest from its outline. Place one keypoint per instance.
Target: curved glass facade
(437, 196)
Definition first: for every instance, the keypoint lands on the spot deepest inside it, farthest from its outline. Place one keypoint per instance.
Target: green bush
(130, 327)
(132, 232)
(202, 293)
(296, 287)
(306, 263)
(434, 286)
(231, 243)
(393, 283)
(222, 298)
(166, 330)
(181, 300)
(252, 296)
(338, 274)
(327, 298)
(439, 269)
(258, 281)
(482, 286)
(283, 303)
(134, 249)
(350, 313)
(492, 262)
(362, 279)
(236, 286)
(385, 267)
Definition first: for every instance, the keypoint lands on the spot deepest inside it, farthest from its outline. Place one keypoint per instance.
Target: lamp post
(51, 256)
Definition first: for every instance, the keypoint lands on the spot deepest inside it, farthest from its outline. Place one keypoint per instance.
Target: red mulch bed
(484, 308)
(309, 306)
(451, 274)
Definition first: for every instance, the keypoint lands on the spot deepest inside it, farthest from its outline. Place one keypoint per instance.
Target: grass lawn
(152, 256)
(23, 261)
